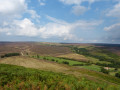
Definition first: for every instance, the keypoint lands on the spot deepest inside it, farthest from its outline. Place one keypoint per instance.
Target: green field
(92, 67)
(99, 57)
(59, 60)
(72, 62)
(95, 60)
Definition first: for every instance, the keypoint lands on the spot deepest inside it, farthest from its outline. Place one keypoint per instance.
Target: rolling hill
(76, 65)
(89, 75)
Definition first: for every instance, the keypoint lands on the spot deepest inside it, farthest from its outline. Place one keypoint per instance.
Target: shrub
(78, 64)
(117, 75)
(52, 60)
(65, 62)
(104, 71)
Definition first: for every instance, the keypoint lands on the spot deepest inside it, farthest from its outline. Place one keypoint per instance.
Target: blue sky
(72, 21)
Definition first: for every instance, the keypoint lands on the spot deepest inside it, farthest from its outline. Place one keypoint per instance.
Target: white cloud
(56, 20)
(60, 28)
(55, 28)
(12, 7)
(113, 32)
(65, 30)
(33, 14)
(21, 28)
(115, 12)
(69, 2)
(8, 33)
(42, 2)
(11, 22)
(25, 28)
(77, 2)
(78, 10)
(113, 27)
(11, 10)
(86, 25)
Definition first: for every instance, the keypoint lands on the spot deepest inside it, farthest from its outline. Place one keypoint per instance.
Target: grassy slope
(16, 77)
(58, 60)
(91, 67)
(78, 63)
(51, 66)
(33, 63)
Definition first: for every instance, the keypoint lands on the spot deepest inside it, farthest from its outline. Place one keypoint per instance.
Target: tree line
(10, 55)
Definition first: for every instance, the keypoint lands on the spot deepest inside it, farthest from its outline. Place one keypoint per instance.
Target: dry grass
(42, 65)
(74, 56)
(33, 63)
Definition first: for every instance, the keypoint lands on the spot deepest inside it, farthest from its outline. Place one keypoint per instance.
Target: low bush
(104, 71)
(65, 62)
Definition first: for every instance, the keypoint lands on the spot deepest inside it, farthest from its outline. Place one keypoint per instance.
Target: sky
(69, 21)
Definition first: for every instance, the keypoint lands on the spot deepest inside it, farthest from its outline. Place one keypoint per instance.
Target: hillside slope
(33, 63)
(51, 66)
(20, 78)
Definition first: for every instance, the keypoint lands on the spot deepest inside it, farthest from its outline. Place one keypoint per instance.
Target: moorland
(59, 66)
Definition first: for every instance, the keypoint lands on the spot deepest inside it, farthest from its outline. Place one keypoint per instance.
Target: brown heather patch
(75, 56)
(33, 48)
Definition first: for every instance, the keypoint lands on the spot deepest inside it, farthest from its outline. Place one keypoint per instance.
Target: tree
(116, 69)
(117, 75)
(65, 62)
(37, 56)
(104, 71)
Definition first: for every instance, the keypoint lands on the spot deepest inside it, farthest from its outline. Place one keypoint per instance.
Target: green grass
(101, 77)
(112, 73)
(80, 64)
(59, 60)
(92, 67)
(15, 77)
(71, 62)
(95, 60)
(101, 55)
